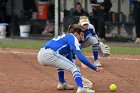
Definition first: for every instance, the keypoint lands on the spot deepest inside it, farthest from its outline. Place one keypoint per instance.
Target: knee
(94, 41)
(76, 72)
(75, 69)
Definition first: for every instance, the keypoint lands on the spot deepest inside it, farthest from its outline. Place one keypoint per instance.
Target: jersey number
(58, 37)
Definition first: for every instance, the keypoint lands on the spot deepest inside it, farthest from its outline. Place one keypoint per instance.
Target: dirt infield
(21, 73)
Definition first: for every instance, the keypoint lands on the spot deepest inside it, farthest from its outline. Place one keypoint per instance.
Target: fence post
(56, 17)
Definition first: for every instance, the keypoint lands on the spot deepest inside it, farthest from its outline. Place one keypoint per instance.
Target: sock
(79, 81)
(78, 78)
(95, 51)
(61, 75)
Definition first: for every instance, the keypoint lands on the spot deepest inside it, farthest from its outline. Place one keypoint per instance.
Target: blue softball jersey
(65, 45)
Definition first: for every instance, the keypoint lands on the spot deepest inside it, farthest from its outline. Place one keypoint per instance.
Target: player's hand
(99, 69)
(83, 66)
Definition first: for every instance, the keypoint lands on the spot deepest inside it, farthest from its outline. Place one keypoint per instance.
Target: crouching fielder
(91, 38)
(58, 52)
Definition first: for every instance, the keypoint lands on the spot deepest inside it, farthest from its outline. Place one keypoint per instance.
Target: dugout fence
(120, 24)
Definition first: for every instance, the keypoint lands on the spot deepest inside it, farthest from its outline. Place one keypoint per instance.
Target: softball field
(20, 72)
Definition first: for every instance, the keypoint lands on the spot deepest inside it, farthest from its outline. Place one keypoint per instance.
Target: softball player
(90, 38)
(58, 52)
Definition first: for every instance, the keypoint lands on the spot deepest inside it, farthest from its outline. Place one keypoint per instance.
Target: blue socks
(95, 51)
(61, 75)
(79, 81)
(78, 78)
(76, 75)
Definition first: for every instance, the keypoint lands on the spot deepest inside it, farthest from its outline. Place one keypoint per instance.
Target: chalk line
(34, 53)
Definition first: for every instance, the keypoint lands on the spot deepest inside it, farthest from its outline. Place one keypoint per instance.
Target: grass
(32, 44)
(125, 50)
(36, 44)
(121, 50)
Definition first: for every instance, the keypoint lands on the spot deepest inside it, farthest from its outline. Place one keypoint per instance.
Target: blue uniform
(91, 38)
(90, 32)
(65, 44)
(58, 52)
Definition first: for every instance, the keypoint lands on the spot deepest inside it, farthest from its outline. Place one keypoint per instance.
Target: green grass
(21, 44)
(125, 50)
(121, 50)
(34, 44)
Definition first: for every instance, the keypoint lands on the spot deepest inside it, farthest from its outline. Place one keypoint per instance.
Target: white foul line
(112, 58)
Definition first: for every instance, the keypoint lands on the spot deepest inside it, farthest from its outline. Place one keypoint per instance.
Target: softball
(113, 87)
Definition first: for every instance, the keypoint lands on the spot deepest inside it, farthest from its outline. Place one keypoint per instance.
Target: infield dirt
(20, 72)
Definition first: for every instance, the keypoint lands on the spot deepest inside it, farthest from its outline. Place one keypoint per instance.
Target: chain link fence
(122, 23)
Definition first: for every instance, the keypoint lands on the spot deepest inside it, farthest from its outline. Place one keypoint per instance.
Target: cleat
(64, 86)
(81, 90)
(97, 64)
(90, 91)
(85, 90)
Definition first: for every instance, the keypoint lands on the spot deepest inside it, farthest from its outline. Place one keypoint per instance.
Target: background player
(90, 38)
(57, 52)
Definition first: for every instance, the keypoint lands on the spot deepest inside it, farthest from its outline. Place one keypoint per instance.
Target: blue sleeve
(84, 60)
(93, 32)
(88, 31)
